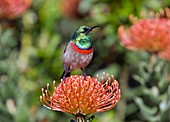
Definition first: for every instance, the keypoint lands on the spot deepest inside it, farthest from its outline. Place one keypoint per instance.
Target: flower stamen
(78, 96)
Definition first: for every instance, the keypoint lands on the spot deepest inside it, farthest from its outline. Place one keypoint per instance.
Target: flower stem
(80, 118)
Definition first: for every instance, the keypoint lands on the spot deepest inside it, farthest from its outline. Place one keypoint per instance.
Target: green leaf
(148, 113)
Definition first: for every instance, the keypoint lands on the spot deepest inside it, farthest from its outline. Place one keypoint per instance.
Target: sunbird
(79, 51)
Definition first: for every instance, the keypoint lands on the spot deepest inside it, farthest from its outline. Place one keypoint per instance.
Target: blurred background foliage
(31, 49)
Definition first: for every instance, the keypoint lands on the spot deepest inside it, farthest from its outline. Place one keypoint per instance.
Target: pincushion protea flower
(70, 8)
(81, 97)
(152, 35)
(10, 9)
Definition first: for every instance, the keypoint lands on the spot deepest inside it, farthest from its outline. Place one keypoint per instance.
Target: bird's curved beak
(91, 28)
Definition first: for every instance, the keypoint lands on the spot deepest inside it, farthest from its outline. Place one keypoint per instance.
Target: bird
(78, 52)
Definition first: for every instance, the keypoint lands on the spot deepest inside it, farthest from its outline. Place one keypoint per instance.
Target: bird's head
(82, 36)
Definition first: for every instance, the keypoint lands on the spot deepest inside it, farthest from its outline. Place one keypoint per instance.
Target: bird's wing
(66, 47)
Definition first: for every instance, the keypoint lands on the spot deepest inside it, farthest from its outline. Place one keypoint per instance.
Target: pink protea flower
(11, 9)
(81, 97)
(70, 8)
(152, 35)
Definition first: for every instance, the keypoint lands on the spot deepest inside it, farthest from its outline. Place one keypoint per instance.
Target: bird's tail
(65, 75)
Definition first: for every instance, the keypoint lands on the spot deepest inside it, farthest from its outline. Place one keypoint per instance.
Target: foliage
(31, 49)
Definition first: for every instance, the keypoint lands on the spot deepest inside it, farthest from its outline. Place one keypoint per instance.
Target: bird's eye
(86, 29)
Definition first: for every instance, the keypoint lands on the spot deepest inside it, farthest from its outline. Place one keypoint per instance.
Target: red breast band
(86, 51)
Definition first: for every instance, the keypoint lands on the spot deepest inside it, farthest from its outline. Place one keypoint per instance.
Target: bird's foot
(63, 78)
(84, 77)
(84, 73)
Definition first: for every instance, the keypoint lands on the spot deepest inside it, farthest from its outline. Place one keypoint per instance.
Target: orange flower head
(11, 9)
(77, 96)
(152, 35)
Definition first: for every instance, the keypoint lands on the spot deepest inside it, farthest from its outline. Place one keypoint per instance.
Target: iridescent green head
(82, 37)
